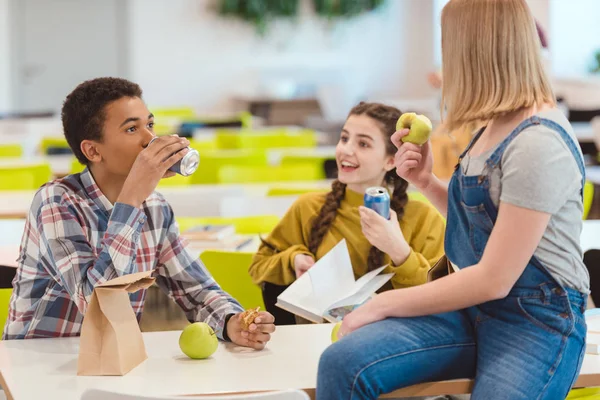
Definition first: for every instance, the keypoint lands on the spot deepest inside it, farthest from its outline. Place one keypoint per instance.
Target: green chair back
(11, 150)
(29, 177)
(211, 162)
(584, 394)
(230, 271)
(251, 225)
(588, 198)
(53, 142)
(4, 304)
(265, 139)
(291, 191)
(282, 173)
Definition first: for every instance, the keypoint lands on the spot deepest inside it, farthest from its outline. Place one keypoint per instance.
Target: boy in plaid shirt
(108, 221)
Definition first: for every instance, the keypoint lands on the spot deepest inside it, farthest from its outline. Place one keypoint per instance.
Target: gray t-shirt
(539, 172)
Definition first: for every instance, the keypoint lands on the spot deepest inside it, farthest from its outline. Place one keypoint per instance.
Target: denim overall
(528, 345)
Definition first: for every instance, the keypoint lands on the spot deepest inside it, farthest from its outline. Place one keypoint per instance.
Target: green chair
(53, 143)
(212, 161)
(28, 177)
(251, 225)
(282, 173)
(203, 144)
(588, 198)
(4, 304)
(265, 139)
(230, 271)
(289, 159)
(76, 166)
(584, 394)
(291, 191)
(11, 150)
(175, 181)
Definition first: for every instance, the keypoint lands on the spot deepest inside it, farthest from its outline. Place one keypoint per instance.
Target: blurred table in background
(280, 111)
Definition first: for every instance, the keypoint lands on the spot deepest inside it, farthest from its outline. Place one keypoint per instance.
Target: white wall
(181, 53)
(5, 40)
(575, 34)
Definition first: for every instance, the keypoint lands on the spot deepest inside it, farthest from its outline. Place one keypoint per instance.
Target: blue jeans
(529, 345)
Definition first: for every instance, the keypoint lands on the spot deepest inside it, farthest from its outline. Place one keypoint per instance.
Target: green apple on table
(334, 332)
(198, 340)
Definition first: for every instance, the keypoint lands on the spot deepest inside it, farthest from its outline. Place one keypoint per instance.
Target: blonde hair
(491, 61)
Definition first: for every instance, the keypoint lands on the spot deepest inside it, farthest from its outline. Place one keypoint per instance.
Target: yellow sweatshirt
(422, 226)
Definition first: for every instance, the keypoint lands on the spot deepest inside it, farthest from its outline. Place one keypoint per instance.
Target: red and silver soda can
(188, 164)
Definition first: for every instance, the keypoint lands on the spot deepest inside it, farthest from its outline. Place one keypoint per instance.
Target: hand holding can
(377, 199)
(188, 164)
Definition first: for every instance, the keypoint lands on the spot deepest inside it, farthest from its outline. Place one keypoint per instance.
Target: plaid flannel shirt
(75, 239)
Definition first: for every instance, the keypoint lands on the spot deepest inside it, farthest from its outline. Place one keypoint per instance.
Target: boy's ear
(90, 150)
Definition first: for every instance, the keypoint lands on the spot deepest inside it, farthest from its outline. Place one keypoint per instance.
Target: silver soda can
(377, 199)
(188, 164)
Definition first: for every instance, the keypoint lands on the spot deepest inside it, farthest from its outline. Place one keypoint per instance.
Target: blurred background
(218, 59)
(262, 89)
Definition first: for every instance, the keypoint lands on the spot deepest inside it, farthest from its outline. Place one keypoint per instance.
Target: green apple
(198, 340)
(334, 332)
(419, 125)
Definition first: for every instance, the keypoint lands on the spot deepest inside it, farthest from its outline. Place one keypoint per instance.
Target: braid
(326, 216)
(398, 201)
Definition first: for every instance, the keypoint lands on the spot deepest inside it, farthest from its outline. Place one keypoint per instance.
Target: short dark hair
(83, 112)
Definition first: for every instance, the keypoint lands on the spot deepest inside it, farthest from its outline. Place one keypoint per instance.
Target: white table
(32, 369)
(189, 201)
(11, 232)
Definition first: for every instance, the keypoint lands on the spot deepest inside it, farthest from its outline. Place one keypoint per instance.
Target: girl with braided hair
(411, 241)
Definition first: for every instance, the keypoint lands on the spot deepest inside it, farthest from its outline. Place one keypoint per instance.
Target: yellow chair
(4, 304)
(11, 150)
(584, 394)
(230, 271)
(251, 225)
(243, 119)
(283, 191)
(54, 142)
(203, 144)
(29, 177)
(588, 198)
(76, 166)
(212, 161)
(282, 173)
(174, 181)
(265, 139)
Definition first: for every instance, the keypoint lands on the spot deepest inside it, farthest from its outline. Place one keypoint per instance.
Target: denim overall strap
(469, 146)
(496, 157)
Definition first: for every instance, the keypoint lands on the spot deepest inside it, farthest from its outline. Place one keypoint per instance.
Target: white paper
(332, 276)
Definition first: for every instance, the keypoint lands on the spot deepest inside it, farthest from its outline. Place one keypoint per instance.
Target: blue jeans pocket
(554, 316)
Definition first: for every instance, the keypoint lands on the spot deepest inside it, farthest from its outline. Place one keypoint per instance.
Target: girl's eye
(343, 139)
(131, 129)
(150, 125)
(364, 144)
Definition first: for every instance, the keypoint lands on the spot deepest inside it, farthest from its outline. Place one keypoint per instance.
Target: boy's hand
(258, 333)
(150, 166)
